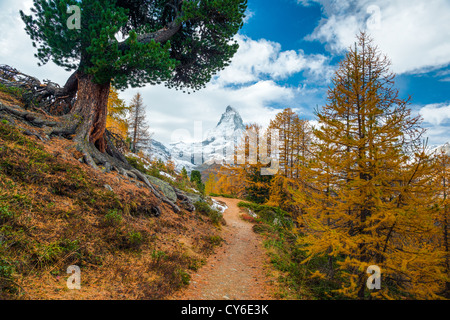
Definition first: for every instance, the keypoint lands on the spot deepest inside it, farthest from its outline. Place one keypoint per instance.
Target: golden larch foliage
(370, 186)
(116, 121)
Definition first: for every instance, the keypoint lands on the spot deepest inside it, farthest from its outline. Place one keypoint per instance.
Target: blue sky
(327, 28)
(291, 23)
(288, 52)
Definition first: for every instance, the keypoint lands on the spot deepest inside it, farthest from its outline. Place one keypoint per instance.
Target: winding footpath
(237, 270)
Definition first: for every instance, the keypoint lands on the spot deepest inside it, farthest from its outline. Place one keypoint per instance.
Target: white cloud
(248, 15)
(16, 49)
(414, 34)
(436, 120)
(251, 84)
(435, 114)
(248, 84)
(262, 58)
(170, 111)
(437, 135)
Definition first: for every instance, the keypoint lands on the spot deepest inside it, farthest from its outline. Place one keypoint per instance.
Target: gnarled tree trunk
(86, 121)
(90, 110)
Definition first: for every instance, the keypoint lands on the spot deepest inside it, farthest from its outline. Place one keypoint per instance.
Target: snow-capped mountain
(221, 141)
(229, 127)
(444, 148)
(218, 144)
(157, 150)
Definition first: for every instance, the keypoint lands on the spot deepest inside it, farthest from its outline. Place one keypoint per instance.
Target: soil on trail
(237, 271)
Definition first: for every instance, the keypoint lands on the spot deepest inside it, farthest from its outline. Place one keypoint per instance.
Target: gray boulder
(193, 197)
(188, 199)
(164, 187)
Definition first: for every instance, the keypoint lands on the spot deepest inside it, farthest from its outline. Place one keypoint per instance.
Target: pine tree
(196, 178)
(370, 188)
(181, 43)
(139, 133)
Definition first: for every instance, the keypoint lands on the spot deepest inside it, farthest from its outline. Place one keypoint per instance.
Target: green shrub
(261, 228)
(137, 164)
(268, 214)
(6, 277)
(183, 277)
(113, 218)
(135, 239)
(17, 92)
(5, 214)
(215, 240)
(158, 256)
(48, 253)
(204, 209)
(154, 172)
(222, 195)
(70, 246)
(195, 264)
(6, 270)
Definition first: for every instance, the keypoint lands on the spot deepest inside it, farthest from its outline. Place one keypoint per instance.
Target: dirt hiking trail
(237, 270)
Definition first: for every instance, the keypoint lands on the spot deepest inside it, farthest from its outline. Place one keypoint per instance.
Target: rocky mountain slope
(56, 211)
(219, 143)
(443, 148)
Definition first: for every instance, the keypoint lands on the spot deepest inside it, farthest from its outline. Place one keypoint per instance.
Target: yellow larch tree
(253, 156)
(230, 181)
(294, 153)
(210, 184)
(442, 217)
(370, 185)
(116, 120)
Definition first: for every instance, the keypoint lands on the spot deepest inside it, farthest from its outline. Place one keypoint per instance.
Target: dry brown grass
(8, 99)
(56, 212)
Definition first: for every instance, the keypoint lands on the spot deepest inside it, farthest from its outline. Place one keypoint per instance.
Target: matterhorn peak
(230, 109)
(218, 144)
(231, 120)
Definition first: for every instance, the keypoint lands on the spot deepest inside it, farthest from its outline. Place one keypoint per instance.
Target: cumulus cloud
(254, 83)
(249, 84)
(262, 58)
(435, 114)
(413, 33)
(436, 120)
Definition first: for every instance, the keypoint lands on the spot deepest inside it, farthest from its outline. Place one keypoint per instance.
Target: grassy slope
(56, 212)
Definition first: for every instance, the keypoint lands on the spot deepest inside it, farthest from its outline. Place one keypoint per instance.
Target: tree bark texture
(91, 109)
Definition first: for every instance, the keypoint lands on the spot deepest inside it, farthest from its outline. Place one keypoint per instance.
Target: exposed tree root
(111, 160)
(29, 117)
(80, 120)
(48, 98)
(186, 202)
(117, 162)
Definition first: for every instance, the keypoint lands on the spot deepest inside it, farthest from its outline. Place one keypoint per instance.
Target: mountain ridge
(444, 147)
(213, 149)
(220, 139)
